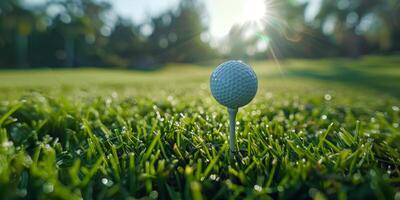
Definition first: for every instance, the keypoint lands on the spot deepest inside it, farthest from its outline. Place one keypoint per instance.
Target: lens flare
(254, 10)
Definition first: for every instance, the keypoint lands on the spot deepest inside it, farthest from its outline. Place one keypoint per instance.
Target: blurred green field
(321, 129)
(365, 76)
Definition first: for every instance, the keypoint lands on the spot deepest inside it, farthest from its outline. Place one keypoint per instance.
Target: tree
(80, 26)
(16, 24)
(358, 22)
(126, 45)
(176, 36)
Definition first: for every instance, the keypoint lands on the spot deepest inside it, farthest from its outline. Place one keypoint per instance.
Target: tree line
(78, 35)
(74, 33)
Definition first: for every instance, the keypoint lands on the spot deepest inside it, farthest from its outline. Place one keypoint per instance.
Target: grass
(322, 129)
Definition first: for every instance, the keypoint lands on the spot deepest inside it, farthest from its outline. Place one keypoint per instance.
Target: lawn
(321, 129)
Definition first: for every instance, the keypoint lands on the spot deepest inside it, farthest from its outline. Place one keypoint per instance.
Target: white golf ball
(233, 84)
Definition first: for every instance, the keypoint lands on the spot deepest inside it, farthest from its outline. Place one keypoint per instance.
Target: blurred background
(147, 34)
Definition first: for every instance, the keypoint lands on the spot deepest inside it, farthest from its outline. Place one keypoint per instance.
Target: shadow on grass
(389, 84)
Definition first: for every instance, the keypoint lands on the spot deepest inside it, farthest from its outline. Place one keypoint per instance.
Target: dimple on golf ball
(233, 84)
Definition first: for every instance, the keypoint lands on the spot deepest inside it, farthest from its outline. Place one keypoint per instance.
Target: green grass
(322, 129)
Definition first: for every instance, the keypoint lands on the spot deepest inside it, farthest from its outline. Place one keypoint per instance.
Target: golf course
(321, 129)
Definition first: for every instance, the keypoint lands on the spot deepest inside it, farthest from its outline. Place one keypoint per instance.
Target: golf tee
(232, 138)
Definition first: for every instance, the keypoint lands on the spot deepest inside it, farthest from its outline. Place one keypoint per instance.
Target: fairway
(371, 75)
(322, 129)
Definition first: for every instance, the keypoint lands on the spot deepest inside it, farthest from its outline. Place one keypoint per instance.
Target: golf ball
(233, 84)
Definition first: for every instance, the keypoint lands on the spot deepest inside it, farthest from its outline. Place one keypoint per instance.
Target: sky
(141, 10)
(221, 14)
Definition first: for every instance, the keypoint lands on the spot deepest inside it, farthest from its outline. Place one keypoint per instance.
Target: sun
(254, 10)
